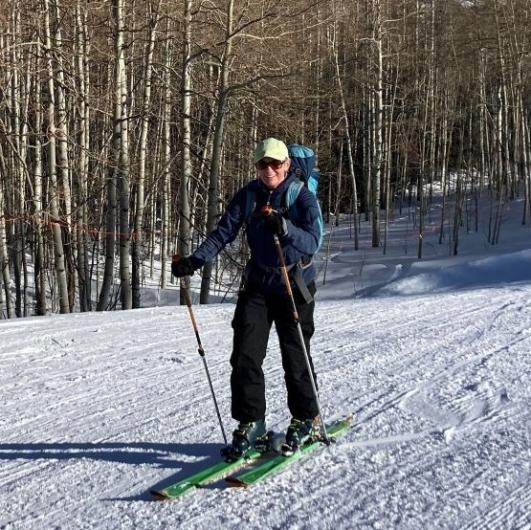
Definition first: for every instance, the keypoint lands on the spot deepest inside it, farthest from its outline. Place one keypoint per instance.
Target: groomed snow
(432, 357)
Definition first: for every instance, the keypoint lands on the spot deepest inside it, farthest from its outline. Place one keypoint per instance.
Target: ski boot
(299, 433)
(244, 438)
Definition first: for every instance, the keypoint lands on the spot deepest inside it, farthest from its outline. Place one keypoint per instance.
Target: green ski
(274, 464)
(205, 476)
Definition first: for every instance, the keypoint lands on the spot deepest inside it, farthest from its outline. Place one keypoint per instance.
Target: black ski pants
(255, 312)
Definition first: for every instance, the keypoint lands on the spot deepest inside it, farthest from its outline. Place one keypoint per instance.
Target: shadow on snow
(186, 458)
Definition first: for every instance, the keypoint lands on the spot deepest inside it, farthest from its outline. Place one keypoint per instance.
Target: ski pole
(296, 317)
(201, 352)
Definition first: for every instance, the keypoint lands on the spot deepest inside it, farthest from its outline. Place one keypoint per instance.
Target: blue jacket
(300, 241)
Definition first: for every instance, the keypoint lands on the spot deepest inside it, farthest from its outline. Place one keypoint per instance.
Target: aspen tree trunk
(63, 164)
(3, 249)
(318, 77)
(470, 177)
(430, 96)
(421, 213)
(339, 191)
(525, 155)
(483, 126)
(328, 206)
(367, 151)
(219, 127)
(510, 178)
(15, 231)
(524, 117)
(336, 209)
(346, 124)
(138, 238)
(40, 251)
(183, 247)
(83, 73)
(499, 183)
(513, 130)
(503, 148)
(27, 95)
(53, 189)
(4, 259)
(388, 158)
(111, 199)
(378, 122)
(521, 154)
(166, 158)
(121, 152)
(446, 137)
(152, 232)
(460, 192)
(207, 152)
(435, 84)
(155, 189)
(7, 192)
(458, 213)
(521, 146)
(109, 232)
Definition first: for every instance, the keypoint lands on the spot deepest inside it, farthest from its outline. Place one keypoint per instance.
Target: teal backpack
(303, 165)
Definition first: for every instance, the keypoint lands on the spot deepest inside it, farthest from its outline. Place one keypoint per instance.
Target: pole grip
(188, 301)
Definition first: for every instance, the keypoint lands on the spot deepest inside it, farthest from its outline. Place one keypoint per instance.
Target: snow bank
(487, 272)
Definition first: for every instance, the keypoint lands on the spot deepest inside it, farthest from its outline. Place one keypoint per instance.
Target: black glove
(274, 222)
(181, 266)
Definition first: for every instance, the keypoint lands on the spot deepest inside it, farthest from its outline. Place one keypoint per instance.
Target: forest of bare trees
(126, 125)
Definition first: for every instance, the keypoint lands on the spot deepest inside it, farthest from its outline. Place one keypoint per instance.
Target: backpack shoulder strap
(290, 197)
(292, 192)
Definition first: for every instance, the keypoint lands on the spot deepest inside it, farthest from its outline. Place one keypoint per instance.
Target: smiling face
(272, 172)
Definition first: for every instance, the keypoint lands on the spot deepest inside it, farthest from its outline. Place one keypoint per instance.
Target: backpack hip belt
(296, 276)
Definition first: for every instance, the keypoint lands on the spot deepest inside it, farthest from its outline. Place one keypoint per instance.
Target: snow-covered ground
(432, 357)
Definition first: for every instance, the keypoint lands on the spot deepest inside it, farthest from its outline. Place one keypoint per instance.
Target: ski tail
(205, 476)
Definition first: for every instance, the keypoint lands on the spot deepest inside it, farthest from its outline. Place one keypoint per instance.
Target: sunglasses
(264, 164)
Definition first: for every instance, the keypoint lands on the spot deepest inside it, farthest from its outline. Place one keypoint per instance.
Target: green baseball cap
(271, 148)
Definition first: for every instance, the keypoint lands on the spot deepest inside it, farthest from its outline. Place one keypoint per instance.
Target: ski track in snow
(99, 408)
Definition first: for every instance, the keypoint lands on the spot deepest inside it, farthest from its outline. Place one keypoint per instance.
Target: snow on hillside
(491, 271)
(432, 358)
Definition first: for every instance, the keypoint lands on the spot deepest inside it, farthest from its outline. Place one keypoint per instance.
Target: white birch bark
(219, 127)
(183, 247)
(138, 241)
(4, 258)
(63, 162)
(83, 74)
(40, 250)
(167, 167)
(121, 152)
(53, 201)
(346, 125)
(378, 121)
